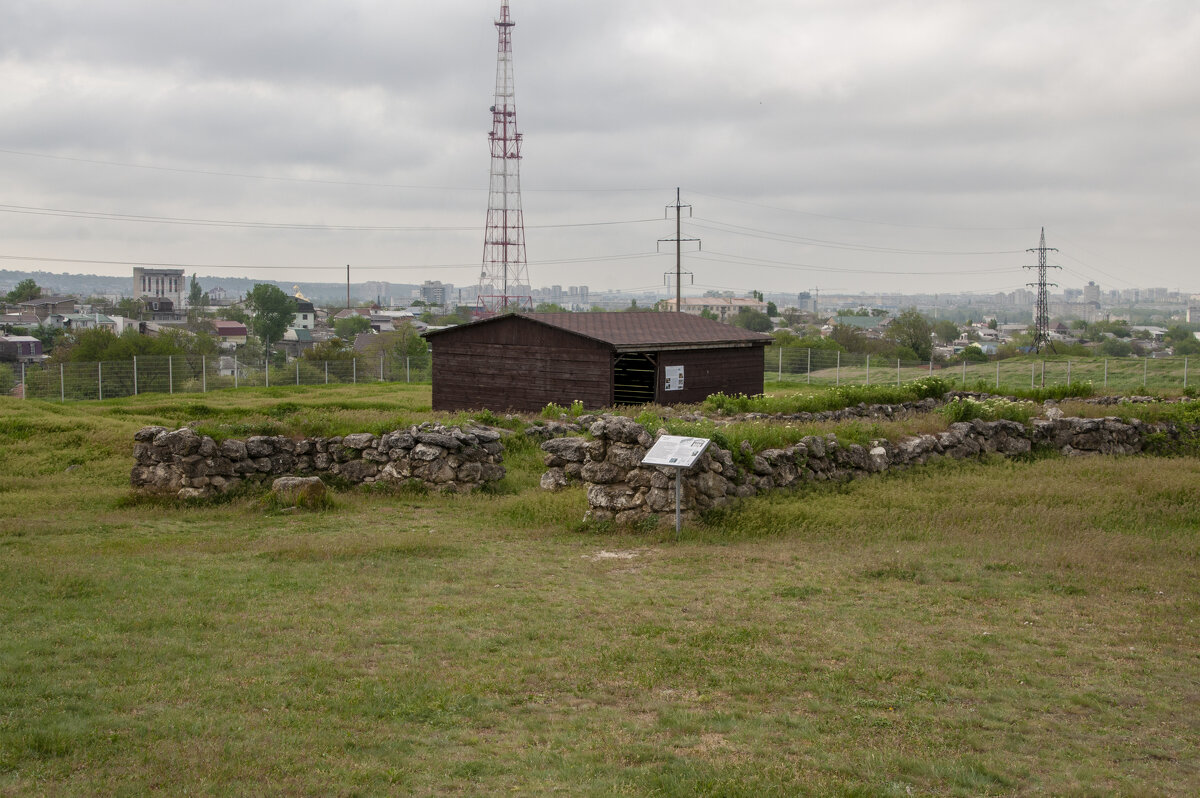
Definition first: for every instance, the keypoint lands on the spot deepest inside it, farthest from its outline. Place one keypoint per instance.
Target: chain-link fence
(822, 367)
(782, 365)
(200, 374)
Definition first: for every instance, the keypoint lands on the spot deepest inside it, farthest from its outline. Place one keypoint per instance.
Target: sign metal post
(679, 453)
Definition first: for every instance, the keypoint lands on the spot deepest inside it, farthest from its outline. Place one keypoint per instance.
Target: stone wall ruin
(620, 489)
(185, 464)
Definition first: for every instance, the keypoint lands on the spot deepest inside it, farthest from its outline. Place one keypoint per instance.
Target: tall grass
(928, 633)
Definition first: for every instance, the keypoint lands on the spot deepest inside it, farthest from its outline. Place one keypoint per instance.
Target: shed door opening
(634, 378)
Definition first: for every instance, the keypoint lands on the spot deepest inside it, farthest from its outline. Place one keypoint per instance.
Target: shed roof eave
(687, 347)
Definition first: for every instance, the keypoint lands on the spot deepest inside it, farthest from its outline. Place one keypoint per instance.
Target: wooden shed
(525, 361)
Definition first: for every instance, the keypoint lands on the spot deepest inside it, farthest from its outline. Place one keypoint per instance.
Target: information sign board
(674, 378)
(675, 451)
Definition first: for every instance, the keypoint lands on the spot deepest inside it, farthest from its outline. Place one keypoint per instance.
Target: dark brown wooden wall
(708, 371)
(518, 365)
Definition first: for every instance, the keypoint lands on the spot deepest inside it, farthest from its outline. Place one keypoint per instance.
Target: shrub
(990, 409)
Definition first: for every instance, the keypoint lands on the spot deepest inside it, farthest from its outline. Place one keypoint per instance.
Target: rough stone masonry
(185, 464)
(620, 489)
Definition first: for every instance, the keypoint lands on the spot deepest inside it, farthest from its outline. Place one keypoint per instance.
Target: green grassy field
(1024, 628)
(1126, 375)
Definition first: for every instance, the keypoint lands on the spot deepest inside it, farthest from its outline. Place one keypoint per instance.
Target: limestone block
(182, 442)
(604, 473)
(298, 490)
(259, 446)
(438, 439)
(357, 470)
(233, 449)
(426, 453)
(625, 455)
(568, 450)
(148, 434)
(554, 479)
(360, 441)
(615, 497)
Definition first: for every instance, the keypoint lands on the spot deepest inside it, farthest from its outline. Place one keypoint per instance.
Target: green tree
(1177, 333)
(195, 293)
(946, 331)
(549, 307)
(23, 292)
(402, 347)
(130, 308)
(1188, 346)
(234, 313)
(972, 354)
(753, 320)
(913, 331)
(708, 314)
(273, 311)
(1115, 347)
(849, 338)
(333, 349)
(348, 327)
(772, 310)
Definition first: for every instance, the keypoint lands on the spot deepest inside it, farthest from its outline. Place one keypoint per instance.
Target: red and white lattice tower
(504, 280)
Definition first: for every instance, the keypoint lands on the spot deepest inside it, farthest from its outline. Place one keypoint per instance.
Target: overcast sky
(843, 145)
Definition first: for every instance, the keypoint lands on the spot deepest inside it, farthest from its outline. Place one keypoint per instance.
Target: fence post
(62, 383)
(809, 369)
(1068, 372)
(997, 375)
(1185, 365)
(135, 390)
(407, 368)
(1145, 369)
(267, 369)
(354, 371)
(1043, 373)
(837, 374)
(897, 372)
(235, 371)
(326, 372)
(868, 369)
(203, 374)
(170, 374)
(25, 382)
(297, 371)
(381, 366)
(100, 380)
(1106, 372)
(931, 365)
(780, 377)
(964, 374)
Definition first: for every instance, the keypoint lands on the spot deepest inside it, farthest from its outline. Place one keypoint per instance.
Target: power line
(770, 235)
(123, 217)
(313, 180)
(244, 267)
(725, 257)
(852, 219)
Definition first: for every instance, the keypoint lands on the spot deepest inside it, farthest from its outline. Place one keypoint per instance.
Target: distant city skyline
(831, 145)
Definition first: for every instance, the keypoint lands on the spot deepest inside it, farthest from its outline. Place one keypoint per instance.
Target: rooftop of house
(632, 329)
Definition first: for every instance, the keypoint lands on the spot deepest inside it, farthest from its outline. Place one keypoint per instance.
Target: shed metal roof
(631, 331)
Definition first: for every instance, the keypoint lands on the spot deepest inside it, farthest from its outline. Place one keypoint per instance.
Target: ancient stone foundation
(620, 489)
(185, 464)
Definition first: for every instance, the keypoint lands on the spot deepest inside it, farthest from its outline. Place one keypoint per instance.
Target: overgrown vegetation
(927, 633)
(836, 398)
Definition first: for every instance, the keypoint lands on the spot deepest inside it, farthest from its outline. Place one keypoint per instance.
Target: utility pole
(679, 239)
(347, 286)
(1041, 314)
